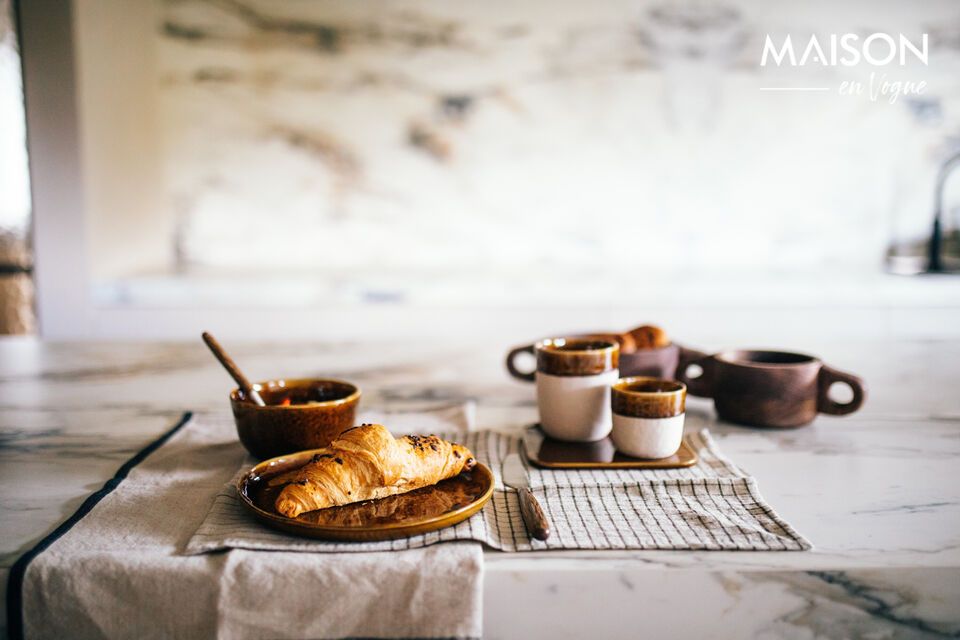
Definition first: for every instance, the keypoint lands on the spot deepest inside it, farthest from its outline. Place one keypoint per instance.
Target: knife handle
(537, 524)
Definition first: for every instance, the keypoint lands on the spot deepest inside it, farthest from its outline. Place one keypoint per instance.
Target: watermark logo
(881, 50)
(848, 50)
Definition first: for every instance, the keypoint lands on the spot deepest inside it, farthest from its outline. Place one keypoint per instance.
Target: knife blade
(532, 439)
(515, 476)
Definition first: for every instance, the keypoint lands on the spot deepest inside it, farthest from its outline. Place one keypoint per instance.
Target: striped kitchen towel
(713, 505)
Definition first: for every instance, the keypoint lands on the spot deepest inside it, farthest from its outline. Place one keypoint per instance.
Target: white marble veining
(495, 140)
(403, 151)
(877, 493)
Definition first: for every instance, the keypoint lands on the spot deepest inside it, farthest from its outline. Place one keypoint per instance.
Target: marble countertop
(877, 493)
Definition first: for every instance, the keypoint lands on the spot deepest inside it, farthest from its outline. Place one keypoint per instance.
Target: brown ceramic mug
(768, 388)
(299, 414)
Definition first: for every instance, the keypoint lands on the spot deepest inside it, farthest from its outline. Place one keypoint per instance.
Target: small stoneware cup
(573, 379)
(648, 416)
(299, 414)
(769, 388)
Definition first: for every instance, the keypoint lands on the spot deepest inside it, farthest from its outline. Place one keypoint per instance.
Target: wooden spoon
(233, 370)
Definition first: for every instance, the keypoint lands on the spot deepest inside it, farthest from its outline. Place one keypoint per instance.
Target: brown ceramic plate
(427, 509)
(544, 451)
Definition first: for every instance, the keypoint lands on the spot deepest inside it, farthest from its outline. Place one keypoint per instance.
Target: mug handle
(527, 376)
(702, 386)
(825, 380)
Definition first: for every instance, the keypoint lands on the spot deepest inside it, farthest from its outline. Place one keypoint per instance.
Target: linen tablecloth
(117, 568)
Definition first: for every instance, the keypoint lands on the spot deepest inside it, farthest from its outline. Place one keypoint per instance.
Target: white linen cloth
(120, 572)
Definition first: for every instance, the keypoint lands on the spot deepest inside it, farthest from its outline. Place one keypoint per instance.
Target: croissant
(366, 463)
(649, 336)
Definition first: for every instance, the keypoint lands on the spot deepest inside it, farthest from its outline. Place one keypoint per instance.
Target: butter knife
(515, 476)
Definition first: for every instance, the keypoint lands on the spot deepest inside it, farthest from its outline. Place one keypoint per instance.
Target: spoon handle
(233, 369)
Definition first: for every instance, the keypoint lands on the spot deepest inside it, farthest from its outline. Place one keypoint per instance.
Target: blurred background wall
(585, 162)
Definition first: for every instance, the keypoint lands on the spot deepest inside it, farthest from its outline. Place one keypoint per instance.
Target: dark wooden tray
(543, 451)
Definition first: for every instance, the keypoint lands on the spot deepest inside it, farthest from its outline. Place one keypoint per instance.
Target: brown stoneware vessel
(576, 356)
(399, 516)
(299, 414)
(650, 398)
(654, 363)
(768, 388)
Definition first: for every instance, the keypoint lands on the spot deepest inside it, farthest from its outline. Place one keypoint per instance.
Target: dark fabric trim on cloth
(19, 569)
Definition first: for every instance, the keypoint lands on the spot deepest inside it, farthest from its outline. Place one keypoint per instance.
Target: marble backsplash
(505, 140)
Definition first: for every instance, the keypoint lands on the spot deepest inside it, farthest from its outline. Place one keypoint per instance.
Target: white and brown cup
(573, 379)
(648, 416)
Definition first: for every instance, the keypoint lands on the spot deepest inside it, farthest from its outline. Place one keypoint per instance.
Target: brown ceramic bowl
(655, 363)
(764, 388)
(318, 412)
